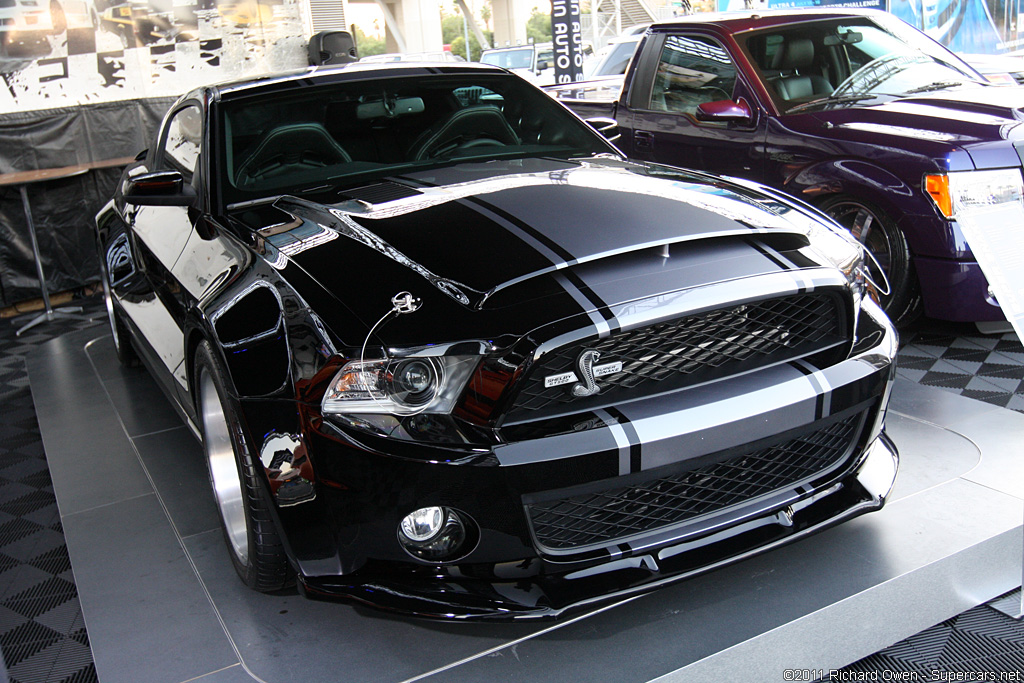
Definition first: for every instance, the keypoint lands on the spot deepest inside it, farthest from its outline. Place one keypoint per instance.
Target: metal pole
(465, 32)
(35, 251)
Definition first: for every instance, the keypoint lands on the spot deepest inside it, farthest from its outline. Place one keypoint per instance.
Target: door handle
(643, 139)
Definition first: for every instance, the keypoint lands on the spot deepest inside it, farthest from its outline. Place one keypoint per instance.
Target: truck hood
(494, 248)
(976, 119)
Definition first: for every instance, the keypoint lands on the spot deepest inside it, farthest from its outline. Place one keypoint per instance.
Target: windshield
(841, 62)
(510, 59)
(320, 138)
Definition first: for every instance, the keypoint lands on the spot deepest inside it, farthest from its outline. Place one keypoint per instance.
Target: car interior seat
(473, 126)
(794, 61)
(286, 148)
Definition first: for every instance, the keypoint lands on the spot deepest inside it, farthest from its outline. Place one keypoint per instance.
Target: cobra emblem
(585, 363)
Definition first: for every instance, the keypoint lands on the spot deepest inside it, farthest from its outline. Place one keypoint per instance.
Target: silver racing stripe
(821, 385)
(598, 321)
(621, 440)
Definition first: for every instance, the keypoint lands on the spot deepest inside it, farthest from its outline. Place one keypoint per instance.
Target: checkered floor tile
(981, 644)
(42, 633)
(957, 358)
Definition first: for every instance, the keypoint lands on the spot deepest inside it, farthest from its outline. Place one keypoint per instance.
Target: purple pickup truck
(857, 113)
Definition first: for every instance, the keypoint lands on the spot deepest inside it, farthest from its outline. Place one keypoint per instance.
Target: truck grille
(607, 516)
(690, 350)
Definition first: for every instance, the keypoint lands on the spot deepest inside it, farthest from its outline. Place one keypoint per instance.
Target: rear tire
(879, 234)
(252, 538)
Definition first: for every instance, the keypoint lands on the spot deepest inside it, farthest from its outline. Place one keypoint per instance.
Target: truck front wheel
(879, 234)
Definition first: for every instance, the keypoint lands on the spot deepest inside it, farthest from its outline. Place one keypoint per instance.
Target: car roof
(354, 71)
(738, 22)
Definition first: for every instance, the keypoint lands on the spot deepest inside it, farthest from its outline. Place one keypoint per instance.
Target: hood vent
(380, 193)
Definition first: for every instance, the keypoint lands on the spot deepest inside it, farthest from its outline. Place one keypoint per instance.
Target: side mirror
(541, 65)
(162, 188)
(722, 111)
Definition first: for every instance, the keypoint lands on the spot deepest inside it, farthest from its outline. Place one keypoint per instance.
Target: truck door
(685, 70)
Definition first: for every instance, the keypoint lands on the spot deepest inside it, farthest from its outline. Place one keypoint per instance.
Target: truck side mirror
(721, 111)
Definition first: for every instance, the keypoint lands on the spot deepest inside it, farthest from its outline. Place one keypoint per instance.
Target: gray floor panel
(144, 606)
(949, 539)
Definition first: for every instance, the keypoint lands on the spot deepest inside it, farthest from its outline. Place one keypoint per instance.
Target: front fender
(904, 203)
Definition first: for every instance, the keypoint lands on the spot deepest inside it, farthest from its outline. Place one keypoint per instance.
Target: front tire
(879, 234)
(249, 531)
(118, 330)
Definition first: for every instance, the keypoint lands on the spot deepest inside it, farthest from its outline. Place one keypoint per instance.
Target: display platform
(162, 603)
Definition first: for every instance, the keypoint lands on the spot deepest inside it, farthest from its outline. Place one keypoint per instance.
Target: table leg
(48, 312)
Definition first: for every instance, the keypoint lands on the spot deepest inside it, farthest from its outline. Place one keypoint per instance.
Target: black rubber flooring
(42, 633)
(43, 637)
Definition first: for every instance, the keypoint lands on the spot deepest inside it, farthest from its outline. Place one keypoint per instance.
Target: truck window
(692, 70)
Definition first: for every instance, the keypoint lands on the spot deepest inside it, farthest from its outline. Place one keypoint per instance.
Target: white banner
(996, 237)
(63, 53)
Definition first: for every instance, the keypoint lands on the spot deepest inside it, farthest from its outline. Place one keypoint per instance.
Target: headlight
(399, 386)
(955, 193)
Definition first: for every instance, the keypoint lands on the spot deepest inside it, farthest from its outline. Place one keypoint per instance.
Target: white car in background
(535, 62)
(24, 27)
(1006, 69)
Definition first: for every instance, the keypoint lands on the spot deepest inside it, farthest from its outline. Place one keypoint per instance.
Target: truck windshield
(836, 63)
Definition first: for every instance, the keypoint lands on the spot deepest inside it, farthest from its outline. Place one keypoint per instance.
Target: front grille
(691, 350)
(604, 517)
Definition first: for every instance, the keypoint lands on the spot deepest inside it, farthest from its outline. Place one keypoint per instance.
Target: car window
(181, 146)
(311, 139)
(692, 70)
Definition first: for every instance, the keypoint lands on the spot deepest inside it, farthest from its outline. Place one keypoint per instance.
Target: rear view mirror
(721, 111)
(848, 38)
(390, 108)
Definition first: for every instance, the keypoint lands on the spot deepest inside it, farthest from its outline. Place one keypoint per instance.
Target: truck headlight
(962, 191)
(398, 386)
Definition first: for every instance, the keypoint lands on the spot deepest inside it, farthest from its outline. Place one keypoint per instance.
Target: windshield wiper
(831, 99)
(937, 85)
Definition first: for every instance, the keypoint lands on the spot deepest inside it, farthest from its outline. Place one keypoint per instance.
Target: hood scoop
(380, 193)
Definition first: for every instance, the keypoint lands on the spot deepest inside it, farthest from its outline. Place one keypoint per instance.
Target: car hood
(970, 118)
(493, 248)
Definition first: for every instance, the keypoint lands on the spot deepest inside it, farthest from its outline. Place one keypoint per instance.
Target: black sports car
(450, 354)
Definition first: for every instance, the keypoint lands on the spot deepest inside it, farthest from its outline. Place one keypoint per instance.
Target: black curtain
(63, 209)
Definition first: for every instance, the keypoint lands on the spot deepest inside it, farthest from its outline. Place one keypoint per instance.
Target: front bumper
(956, 290)
(342, 534)
(450, 595)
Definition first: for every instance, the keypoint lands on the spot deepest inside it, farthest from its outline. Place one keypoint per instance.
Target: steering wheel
(454, 146)
(714, 89)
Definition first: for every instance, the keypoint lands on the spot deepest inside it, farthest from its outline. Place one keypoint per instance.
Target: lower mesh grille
(606, 516)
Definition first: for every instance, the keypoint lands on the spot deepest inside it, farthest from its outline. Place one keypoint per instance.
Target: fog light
(423, 524)
(434, 534)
